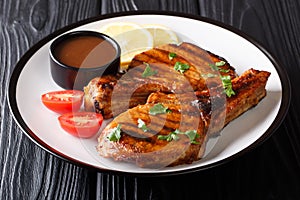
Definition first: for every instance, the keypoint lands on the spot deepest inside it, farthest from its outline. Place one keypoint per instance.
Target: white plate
(31, 78)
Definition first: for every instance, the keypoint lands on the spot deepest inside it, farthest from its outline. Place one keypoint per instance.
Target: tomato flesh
(81, 124)
(63, 101)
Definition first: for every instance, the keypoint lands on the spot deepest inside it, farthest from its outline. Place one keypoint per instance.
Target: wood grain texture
(271, 171)
(28, 172)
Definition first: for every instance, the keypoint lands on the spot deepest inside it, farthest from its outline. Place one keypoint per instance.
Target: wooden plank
(28, 172)
(270, 171)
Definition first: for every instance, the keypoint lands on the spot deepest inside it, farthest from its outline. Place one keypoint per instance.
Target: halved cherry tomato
(63, 101)
(81, 124)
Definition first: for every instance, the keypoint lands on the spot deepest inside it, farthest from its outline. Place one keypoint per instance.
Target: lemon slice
(161, 34)
(132, 38)
(116, 28)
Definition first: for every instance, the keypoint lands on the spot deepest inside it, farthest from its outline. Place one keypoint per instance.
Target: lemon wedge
(161, 34)
(132, 38)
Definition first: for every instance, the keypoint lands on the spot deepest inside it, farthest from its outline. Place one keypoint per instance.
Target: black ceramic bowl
(79, 56)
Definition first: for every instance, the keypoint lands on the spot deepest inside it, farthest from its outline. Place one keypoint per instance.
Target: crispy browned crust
(250, 89)
(196, 99)
(189, 111)
(131, 89)
(98, 94)
(143, 148)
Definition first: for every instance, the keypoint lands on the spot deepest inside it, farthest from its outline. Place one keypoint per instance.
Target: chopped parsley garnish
(192, 135)
(214, 67)
(171, 136)
(182, 67)
(224, 70)
(148, 71)
(115, 134)
(159, 109)
(142, 125)
(220, 63)
(226, 81)
(217, 66)
(172, 55)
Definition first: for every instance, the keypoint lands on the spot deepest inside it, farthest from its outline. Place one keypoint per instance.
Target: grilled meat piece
(199, 60)
(195, 111)
(97, 95)
(113, 95)
(143, 148)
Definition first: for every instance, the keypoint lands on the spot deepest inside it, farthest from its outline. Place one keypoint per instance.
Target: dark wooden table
(271, 171)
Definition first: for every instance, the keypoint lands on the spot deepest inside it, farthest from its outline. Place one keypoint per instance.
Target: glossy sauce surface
(85, 52)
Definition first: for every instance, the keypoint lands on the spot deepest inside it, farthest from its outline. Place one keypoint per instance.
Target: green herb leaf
(148, 71)
(159, 109)
(115, 134)
(226, 80)
(142, 125)
(171, 136)
(214, 67)
(172, 55)
(182, 67)
(224, 70)
(227, 85)
(217, 66)
(220, 63)
(192, 135)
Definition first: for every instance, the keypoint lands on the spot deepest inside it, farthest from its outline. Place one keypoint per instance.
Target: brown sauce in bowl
(85, 52)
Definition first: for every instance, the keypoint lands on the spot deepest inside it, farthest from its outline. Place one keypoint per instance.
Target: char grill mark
(150, 152)
(250, 89)
(160, 57)
(99, 91)
(164, 123)
(200, 58)
(197, 101)
(154, 153)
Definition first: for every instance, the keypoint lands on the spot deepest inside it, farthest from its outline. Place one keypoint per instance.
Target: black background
(271, 171)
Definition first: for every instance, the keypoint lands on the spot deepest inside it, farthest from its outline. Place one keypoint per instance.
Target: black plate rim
(11, 97)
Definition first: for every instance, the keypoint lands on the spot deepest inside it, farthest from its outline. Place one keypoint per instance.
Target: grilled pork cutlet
(179, 135)
(111, 96)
